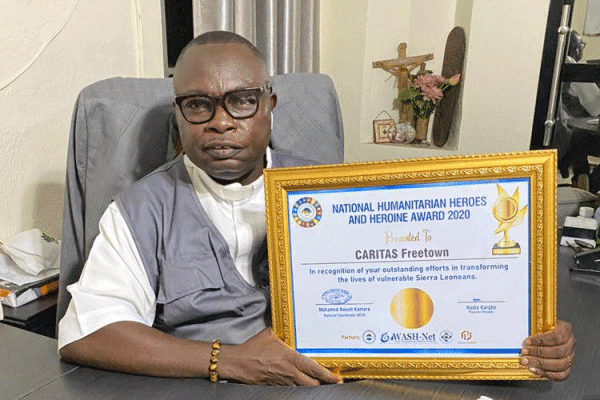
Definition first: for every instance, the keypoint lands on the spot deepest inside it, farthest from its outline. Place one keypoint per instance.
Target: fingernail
(524, 361)
(527, 342)
(525, 351)
(533, 370)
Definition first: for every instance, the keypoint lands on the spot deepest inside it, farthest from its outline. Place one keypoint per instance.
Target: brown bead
(214, 358)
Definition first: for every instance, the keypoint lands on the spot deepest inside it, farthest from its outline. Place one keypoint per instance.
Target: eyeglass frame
(220, 100)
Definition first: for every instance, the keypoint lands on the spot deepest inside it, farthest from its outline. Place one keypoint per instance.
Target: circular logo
(411, 308)
(307, 212)
(336, 296)
(369, 337)
(446, 337)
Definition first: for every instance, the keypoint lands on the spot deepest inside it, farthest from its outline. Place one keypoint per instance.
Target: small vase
(406, 112)
(421, 127)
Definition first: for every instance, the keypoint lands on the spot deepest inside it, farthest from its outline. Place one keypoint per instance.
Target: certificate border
(538, 166)
(464, 351)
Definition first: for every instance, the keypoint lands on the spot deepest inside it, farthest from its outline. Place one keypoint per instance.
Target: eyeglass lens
(239, 104)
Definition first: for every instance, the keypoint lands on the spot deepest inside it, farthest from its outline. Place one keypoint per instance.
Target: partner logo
(336, 296)
(307, 212)
(466, 335)
(446, 337)
(369, 337)
(412, 337)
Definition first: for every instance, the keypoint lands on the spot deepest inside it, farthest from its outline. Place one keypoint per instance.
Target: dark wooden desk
(29, 361)
(579, 303)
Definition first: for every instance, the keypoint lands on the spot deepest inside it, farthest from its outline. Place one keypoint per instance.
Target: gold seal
(411, 308)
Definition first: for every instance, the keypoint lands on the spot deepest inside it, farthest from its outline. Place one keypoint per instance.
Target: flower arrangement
(426, 92)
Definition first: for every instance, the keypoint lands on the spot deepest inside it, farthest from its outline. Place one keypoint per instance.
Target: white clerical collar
(230, 192)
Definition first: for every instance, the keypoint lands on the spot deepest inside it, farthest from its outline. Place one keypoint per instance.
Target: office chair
(124, 128)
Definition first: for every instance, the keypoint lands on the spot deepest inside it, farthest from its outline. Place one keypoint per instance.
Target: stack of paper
(28, 269)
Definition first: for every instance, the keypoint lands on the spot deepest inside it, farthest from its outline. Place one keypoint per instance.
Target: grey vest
(200, 293)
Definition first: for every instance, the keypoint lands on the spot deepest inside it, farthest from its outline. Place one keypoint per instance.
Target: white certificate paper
(411, 270)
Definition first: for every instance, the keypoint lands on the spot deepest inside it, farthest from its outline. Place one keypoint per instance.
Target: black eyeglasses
(239, 104)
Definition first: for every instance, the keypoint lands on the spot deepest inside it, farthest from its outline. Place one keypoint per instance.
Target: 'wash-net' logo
(307, 212)
(408, 337)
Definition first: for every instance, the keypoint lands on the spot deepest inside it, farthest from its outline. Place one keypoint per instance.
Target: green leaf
(406, 94)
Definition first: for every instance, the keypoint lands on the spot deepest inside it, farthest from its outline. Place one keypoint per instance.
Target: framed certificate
(434, 268)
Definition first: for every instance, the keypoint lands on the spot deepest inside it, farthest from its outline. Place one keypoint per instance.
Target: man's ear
(273, 99)
(174, 135)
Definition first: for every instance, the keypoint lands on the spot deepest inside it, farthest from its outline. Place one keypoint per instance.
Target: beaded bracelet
(214, 358)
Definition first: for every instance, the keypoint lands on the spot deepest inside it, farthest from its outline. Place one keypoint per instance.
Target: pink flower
(426, 91)
(431, 93)
(428, 80)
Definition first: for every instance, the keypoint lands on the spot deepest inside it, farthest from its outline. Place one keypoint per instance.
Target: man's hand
(265, 360)
(550, 354)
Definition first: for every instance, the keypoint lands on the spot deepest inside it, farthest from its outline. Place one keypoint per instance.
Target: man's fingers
(555, 369)
(269, 361)
(313, 369)
(559, 335)
(552, 365)
(550, 354)
(555, 376)
(555, 352)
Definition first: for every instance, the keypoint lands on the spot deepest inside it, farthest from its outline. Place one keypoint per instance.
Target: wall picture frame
(381, 130)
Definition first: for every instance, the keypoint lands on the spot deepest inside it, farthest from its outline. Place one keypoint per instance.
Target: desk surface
(578, 303)
(29, 361)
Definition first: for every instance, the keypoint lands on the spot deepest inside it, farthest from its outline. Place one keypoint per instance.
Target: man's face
(228, 149)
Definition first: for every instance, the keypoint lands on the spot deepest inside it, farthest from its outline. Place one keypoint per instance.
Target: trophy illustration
(507, 213)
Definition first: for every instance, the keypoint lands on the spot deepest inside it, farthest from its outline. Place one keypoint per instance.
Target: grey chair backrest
(122, 129)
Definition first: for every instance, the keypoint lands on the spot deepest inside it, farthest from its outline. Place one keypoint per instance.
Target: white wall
(100, 39)
(504, 47)
(50, 50)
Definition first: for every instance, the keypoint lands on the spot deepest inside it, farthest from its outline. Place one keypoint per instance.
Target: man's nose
(221, 122)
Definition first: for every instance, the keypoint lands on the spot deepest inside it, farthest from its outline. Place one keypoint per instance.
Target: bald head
(222, 37)
(214, 50)
(221, 64)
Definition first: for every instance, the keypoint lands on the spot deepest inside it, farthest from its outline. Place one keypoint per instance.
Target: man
(180, 260)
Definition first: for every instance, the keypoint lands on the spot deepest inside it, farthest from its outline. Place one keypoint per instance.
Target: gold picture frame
(316, 291)
(381, 129)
